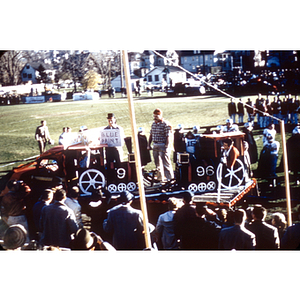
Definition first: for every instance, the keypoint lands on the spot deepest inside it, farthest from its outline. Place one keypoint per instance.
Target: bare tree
(11, 65)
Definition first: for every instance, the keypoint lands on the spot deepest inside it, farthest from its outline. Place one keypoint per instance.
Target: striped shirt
(160, 131)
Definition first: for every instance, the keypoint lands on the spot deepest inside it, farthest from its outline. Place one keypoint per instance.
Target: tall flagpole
(136, 150)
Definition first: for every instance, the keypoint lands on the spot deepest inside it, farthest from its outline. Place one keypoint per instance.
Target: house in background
(37, 72)
(165, 74)
(134, 81)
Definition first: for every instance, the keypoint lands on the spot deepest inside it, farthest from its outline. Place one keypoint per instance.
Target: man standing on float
(114, 154)
(160, 136)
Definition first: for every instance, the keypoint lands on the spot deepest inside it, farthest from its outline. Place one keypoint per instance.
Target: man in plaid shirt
(160, 136)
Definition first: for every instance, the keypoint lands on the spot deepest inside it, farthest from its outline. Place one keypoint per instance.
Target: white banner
(111, 137)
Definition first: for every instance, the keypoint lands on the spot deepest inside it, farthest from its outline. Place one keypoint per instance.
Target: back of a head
(82, 240)
(187, 196)
(172, 203)
(74, 192)
(239, 216)
(259, 212)
(60, 195)
(47, 194)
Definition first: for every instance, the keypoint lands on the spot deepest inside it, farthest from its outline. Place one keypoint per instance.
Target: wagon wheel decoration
(202, 187)
(131, 186)
(90, 180)
(193, 187)
(122, 187)
(112, 188)
(231, 178)
(211, 185)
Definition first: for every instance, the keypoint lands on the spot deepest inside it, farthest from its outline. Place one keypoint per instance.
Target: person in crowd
(269, 130)
(192, 145)
(285, 110)
(165, 227)
(207, 228)
(15, 237)
(160, 135)
(178, 141)
(268, 159)
(57, 222)
(268, 117)
(293, 109)
(293, 154)
(266, 235)
(42, 136)
(250, 110)
(143, 144)
(237, 237)
(249, 138)
(45, 199)
(184, 222)
(230, 126)
(229, 153)
(13, 204)
(240, 111)
(72, 202)
(279, 221)
(260, 110)
(291, 237)
(232, 110)
(89, 241)
(61, 137)
(276, 107)
(125, 224)
(114, 154)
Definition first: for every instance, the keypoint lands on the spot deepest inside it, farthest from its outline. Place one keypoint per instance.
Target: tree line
(78, 66)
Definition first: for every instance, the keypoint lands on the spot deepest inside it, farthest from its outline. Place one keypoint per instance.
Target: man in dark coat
(249, 138)
(185, 220)
(267, 236)
(232, 110)
(237, 237)
(125, 224)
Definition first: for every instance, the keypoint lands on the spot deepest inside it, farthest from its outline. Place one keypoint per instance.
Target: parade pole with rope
(282, 129)
(136, 150)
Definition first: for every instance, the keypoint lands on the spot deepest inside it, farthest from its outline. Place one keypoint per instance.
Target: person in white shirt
(72, 202)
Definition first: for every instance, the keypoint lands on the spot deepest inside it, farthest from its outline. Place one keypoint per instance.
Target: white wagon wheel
(122, 187)
(211, 185)
(112, 188)
(193, 187)
(91, 178)
(131, 186)
(234, 176)
(202, 187)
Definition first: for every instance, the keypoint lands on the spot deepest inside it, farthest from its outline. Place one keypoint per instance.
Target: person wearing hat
(160, 136)
(125, 225)
(230, 126)
(15, 237)
(114, 154)
(89, 241)
(13, 204)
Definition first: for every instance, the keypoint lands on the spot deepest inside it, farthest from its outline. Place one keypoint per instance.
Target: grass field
(19, 122)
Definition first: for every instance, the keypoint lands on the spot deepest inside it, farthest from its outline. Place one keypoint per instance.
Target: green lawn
(18, 122)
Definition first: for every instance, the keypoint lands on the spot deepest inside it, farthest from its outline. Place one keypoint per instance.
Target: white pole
(286, 175)
(136, 151)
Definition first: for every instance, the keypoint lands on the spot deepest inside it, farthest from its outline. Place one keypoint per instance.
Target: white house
(31, 72)
(117, 84)
(168, 74)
